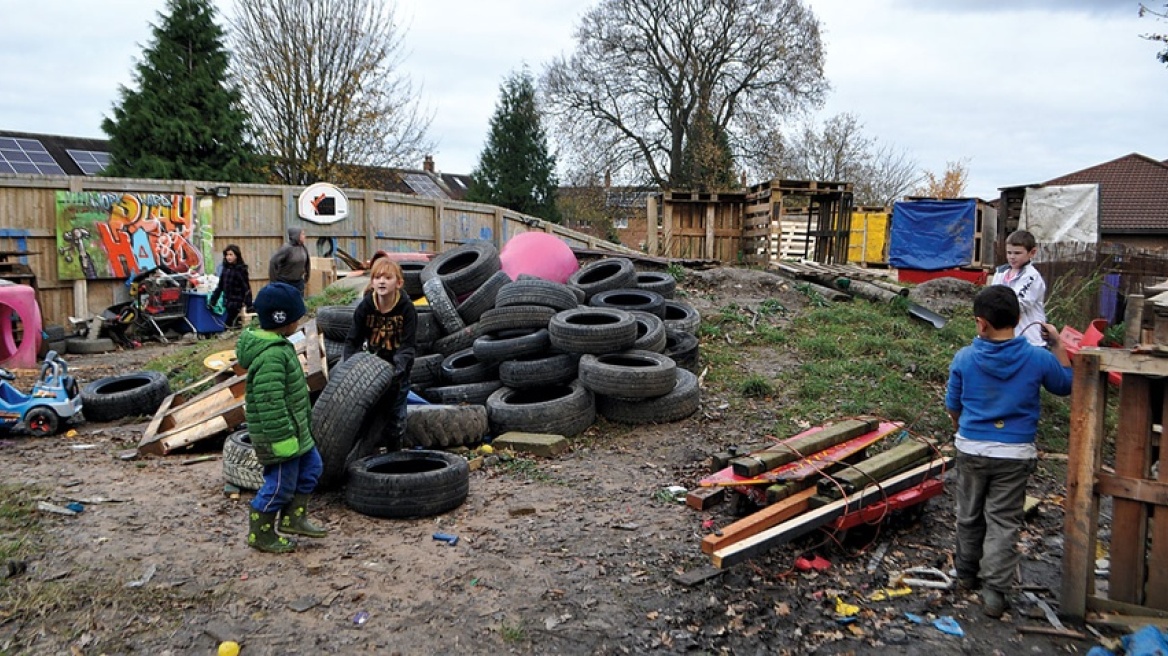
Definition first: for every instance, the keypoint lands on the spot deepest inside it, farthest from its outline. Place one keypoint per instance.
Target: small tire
(603, 275)
(115, 397)
(683, 348)
(678, 404)
(241, 468)
(444, 426)
(83, 346)
(628, 375)
(42, 421)
(682, 316)
(412, 273)
(657, 281)
(650, 332)
(407, 484)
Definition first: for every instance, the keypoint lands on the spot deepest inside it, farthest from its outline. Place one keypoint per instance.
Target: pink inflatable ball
(538, 254)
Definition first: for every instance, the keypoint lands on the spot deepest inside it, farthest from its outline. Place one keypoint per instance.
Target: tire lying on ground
(241, 468)
(141, 393)
(406, 484)
(560, 410)
(683, 348)
(678, 404)
(85, 346)
(444, 426)
(350, 414)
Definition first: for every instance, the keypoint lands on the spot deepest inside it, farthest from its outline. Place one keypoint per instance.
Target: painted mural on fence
(119, 234)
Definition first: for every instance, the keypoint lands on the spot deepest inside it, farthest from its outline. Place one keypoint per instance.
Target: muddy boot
(294, 519)
(261, 533)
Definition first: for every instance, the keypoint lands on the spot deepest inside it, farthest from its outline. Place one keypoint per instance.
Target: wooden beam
(800, 447)
(711, 217)
(757, 522)
(651, 225)
(1128, 362)
(1081, 506)
(1140, 490)
(1129, 525)
(811, 520)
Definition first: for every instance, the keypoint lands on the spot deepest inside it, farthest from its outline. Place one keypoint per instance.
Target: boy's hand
(1050, 334)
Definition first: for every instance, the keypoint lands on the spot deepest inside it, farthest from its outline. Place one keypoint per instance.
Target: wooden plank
(1157, 590)
(808, 521)
(1103, 605)
(757, 522)
(1081, 506)
(1140, 490)
(800, 447)
(1129, 526)
(1128, 362)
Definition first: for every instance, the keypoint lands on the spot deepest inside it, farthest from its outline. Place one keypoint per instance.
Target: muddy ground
(579, 554)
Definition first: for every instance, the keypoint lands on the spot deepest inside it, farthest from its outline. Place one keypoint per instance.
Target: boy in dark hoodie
(290, 263)
(278, 414)
(994, 398)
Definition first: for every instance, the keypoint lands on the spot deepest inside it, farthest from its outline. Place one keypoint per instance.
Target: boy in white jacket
(1021, 276)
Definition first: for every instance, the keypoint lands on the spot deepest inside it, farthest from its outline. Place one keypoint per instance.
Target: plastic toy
(54, 397)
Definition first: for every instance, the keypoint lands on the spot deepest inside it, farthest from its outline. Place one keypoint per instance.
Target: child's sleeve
(1057, 378)
(403, 358)
(954, 388)
(276, 427)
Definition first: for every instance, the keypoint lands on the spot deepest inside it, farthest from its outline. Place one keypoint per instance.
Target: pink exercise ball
(538, 254)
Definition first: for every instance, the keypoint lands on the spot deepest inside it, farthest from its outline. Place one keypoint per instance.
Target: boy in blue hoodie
(279, 420)
(993, 398)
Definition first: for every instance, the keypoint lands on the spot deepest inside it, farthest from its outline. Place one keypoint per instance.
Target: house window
(621, 224)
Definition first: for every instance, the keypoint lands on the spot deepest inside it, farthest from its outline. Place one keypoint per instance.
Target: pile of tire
(534, 355)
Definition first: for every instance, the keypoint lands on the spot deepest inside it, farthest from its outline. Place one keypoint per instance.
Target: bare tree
(321, 79)
(841, 152)
(643, 69)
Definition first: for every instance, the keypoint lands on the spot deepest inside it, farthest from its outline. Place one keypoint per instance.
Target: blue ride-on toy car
(54, 399)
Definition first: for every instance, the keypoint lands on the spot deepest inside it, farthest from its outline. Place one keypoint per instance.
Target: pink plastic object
(538, 254)
(19, 301)
(1073, 340)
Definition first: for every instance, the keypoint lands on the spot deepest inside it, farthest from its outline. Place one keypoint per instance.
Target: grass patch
(332, 295)
(512, 633)
(524, 468)
(19, 521)
(756, 386)
(185, 366)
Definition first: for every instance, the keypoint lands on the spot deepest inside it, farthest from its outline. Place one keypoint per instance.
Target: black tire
(442, 306)
(539, 371)
(603, 275)
(474, 393)
(61, 347)
(660, 282)
(42, 421)
(462, 339)
(682, 316)
(593, 330)
(483, 298)
(334, 321)
(334, 352)
(108, 399)
(650, 332)
(241, 468)
(412, 273)
(84, 346)
(464, 268)
(464, 366)
(678, 404)
(407, 484)
(427, 371)
(428, 330)
(515, 317)
(628, 375)
(629, 300)
(492, 348)
(566, 410)
(537, 291)
(351, 413)
(54, 333)
(683, 348)
(444, 426)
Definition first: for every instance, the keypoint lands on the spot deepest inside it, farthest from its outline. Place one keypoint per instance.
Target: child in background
(385, 323)
(278, 414)
(234, 286)
(994, 400)
(1021, 276)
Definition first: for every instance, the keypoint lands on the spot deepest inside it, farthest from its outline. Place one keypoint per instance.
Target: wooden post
(667, 227)
(1157, 590)
(1133, 318)
(711, 217)
(500, 238)
(367, 205)
(1081, 506)
(651, 225)
(439, 241)
(1129, 529)
(81, 299)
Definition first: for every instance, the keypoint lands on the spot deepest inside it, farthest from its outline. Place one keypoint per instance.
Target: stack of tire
(525, 355)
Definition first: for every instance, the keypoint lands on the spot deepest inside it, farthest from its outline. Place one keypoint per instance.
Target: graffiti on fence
(119, 234)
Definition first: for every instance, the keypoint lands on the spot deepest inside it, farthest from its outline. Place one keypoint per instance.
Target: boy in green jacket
(279, 421)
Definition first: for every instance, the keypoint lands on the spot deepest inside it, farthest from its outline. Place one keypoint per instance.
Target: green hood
(254, 341)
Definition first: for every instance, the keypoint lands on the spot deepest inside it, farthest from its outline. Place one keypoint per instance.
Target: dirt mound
(945, 295)
(715, 288)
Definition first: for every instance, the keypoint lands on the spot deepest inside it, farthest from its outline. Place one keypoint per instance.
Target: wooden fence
(254, 217)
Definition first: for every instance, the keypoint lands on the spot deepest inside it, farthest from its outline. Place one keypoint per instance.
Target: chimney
(428, 164)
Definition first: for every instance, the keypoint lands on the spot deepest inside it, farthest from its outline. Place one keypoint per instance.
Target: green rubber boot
(294, 519)
(261, 534)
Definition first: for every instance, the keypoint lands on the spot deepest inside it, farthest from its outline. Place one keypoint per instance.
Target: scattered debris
(146, 576)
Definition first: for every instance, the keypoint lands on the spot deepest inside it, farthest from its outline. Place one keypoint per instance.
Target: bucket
(1073, 340)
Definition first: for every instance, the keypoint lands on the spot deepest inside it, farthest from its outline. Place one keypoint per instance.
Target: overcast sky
(1020, 90)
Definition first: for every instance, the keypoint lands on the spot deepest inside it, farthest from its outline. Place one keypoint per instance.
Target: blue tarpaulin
(932, 234)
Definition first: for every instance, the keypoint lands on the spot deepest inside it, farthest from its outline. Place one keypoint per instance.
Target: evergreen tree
(184, 121)
(515, 169)
(706, 161)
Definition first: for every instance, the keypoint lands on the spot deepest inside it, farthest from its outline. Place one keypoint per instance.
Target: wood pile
(823, 478)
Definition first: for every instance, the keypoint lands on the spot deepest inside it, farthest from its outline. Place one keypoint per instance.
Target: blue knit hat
(279, 304)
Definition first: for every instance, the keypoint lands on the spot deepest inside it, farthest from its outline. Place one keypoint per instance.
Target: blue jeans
(288, 478)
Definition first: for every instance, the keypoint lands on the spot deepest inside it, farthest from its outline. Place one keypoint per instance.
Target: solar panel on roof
(91, 162)
(423, 185)
(26, 156)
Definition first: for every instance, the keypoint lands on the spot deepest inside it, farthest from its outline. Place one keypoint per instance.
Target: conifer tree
(515, 169)
(184, 120)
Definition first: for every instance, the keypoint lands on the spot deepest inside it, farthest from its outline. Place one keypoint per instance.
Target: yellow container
(868, 238)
